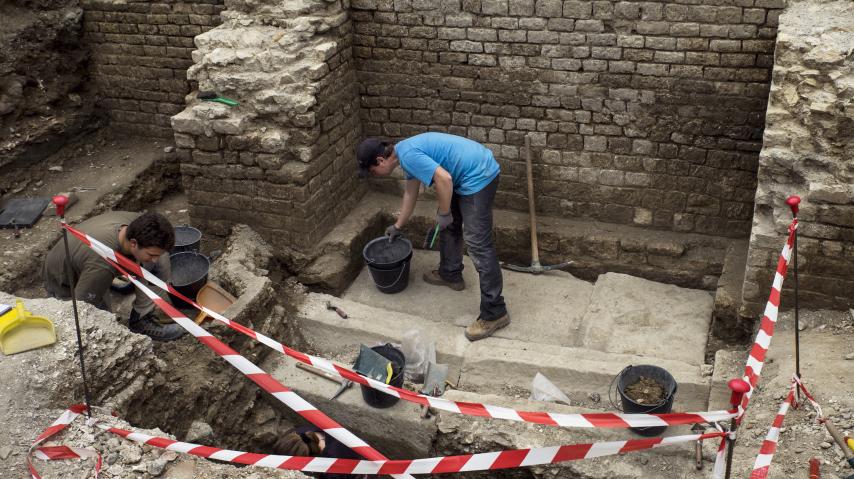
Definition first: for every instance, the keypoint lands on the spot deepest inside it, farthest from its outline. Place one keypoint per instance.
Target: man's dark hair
(151, 229)
(367, 153)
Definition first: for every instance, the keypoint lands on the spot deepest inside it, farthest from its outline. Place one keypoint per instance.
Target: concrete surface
(325, 331)
(545, 308)
(636, 316)
(502, 364)
(728, 365)
(413, 439)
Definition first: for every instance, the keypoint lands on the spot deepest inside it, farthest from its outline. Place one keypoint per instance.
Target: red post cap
(61, 202)
(739, 388)
(793, 202)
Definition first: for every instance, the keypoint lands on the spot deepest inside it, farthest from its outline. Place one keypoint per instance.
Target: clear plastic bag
(419, 350)
(544, 390)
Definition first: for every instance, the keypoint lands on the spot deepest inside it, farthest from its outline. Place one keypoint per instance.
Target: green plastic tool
(213, 96)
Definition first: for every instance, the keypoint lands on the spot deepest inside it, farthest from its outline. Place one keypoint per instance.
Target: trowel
(434, 384)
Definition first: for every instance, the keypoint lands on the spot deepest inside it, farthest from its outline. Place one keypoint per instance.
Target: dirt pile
(645, 391)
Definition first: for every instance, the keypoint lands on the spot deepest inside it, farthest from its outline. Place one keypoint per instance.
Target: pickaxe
(535, 267)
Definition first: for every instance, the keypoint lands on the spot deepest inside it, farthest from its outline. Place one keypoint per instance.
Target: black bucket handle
(399, 276)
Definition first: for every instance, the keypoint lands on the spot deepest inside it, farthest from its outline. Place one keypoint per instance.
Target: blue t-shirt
(470, 164)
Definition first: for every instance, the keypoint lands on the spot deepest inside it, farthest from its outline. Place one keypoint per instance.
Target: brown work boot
(433, 278)
(483, 329)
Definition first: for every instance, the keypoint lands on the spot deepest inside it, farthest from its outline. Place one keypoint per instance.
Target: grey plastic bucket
(388, 262)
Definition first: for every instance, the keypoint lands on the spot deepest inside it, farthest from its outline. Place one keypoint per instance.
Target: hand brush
(213, 96)
(430, 237)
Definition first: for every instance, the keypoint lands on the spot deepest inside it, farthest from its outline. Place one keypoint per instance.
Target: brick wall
(646, 113)
(140, 55)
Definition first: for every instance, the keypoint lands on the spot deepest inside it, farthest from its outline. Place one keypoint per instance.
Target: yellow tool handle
(390, 373)
(13, 317)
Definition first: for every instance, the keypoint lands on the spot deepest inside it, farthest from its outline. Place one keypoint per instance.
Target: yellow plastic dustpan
(21, 331)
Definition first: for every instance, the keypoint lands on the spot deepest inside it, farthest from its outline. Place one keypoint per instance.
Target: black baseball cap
(367, 153)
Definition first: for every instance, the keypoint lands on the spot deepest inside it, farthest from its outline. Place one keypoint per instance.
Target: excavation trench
(185, 390)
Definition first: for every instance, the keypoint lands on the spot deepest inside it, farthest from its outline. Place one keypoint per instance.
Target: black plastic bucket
(187, 238)
(388, 263)
(398, 362)
(631, 375)
(189, 274)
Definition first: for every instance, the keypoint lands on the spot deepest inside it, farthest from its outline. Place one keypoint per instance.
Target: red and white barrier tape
(258, 376)
(719, 470)
(756, 359)
(596, 420)
(819, 414)
(53, 453)
(434, 465)
(769, 445)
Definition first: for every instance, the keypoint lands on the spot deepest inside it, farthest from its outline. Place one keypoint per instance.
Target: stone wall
(646, 113)
(281, 161)
(808, 151)
(141, 50)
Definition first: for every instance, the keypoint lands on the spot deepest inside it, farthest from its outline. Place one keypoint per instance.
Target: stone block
(466, 46)
(494, 7)
(548, 8)
(653, 28)
(186, 122)
(207, 158)
(589, 26)
(578, 9)
(561, 24)
(685, 29)
(725, 46)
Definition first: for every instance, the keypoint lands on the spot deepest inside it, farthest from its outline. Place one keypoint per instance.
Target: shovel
(21, 331)
(536, 267)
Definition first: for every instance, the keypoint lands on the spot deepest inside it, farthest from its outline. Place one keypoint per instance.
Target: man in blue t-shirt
(465, 175)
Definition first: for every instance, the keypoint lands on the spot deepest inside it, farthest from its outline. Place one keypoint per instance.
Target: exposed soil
(645, 391)
(104, 170)
(44, 97)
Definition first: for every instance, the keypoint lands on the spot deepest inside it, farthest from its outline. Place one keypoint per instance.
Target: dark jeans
(473, 223)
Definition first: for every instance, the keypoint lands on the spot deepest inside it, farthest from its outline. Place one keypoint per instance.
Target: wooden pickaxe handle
(321, 373)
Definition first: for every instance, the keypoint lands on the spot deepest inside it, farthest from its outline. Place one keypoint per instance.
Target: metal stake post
(793, 202)
(739, 388)
(61, 202)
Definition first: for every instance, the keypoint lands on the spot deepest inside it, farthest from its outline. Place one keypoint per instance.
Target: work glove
(392, 232)
(444, 219)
